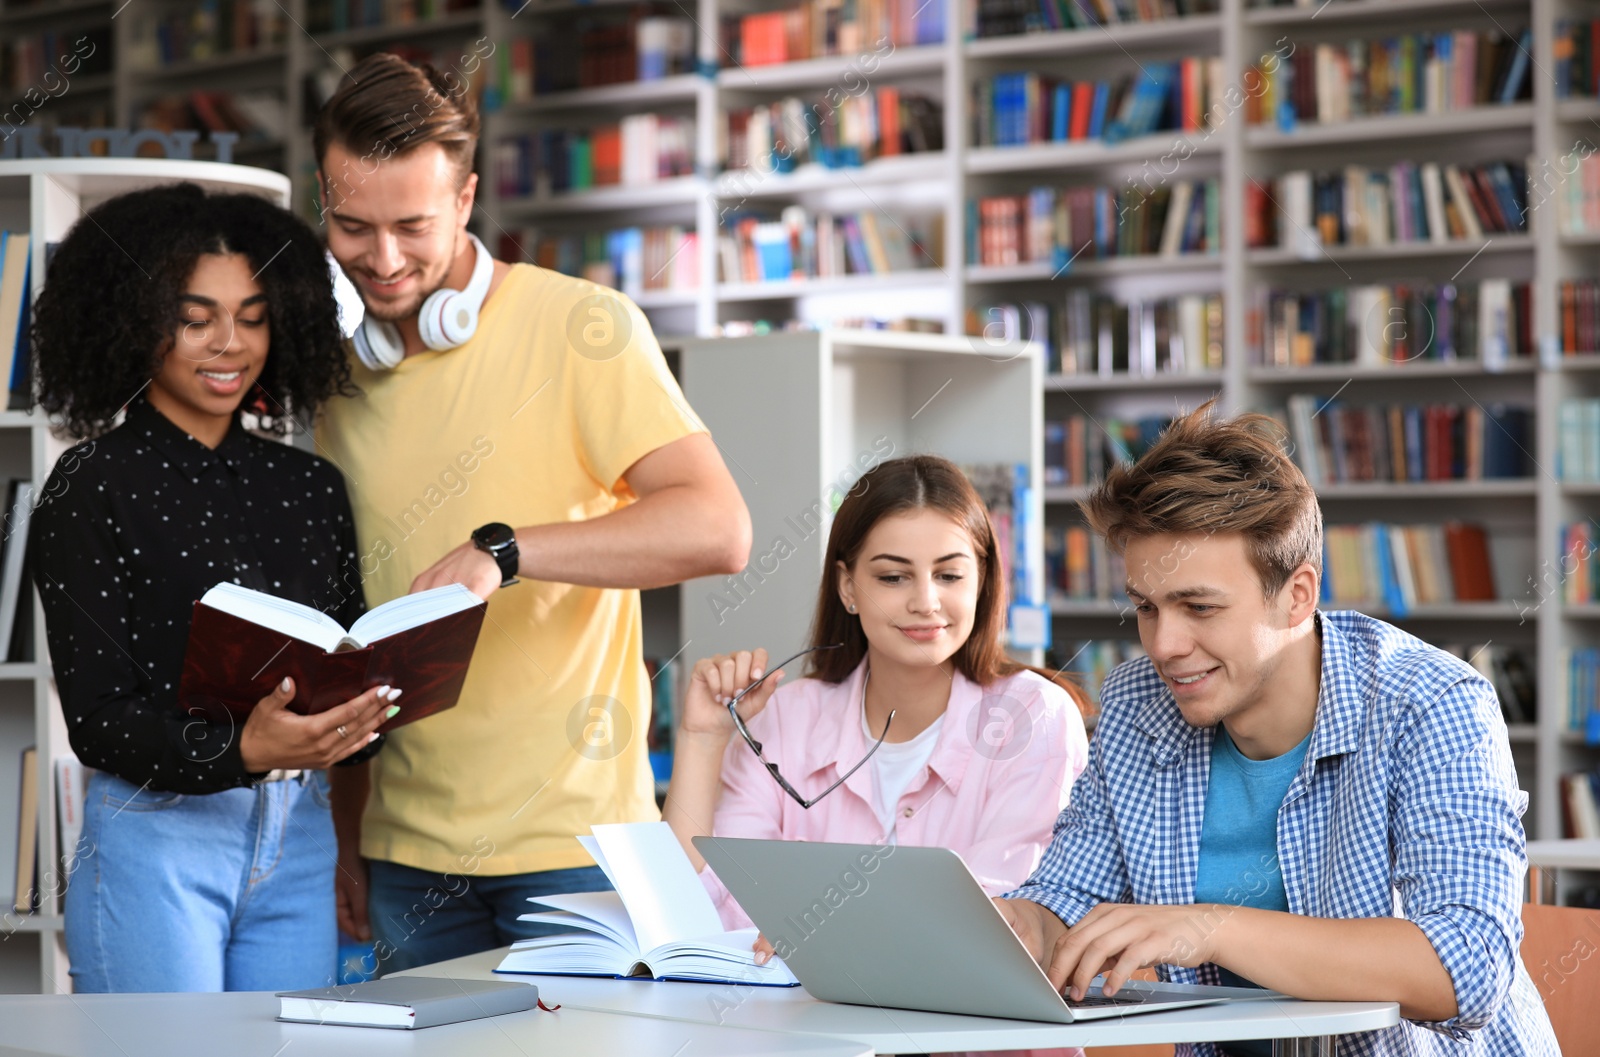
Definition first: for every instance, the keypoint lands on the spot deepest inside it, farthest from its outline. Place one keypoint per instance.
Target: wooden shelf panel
(1399, 251)
(1067, 383)
(1339, 372)
(1364, 11)
(1088, 154)
(1199, 34)
(829, 71)
(1379, 128)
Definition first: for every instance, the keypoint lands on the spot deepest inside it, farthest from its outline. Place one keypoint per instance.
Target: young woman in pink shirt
(980, 753)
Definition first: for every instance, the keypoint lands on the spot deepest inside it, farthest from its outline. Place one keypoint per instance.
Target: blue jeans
(419, 917)
(229, 891)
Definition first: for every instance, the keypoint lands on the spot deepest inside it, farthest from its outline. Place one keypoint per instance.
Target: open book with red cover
(243, 642)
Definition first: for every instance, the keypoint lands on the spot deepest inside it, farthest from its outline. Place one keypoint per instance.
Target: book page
(600, 912)
(277, 614)
(656, 881)
(411, 611)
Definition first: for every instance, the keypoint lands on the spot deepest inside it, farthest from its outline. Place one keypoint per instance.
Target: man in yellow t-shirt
(550, 444)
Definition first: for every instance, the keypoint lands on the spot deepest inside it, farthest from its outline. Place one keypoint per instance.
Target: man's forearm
(667, 537)
(1360, 959)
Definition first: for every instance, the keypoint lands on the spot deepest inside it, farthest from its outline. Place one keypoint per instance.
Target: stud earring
(852, 608)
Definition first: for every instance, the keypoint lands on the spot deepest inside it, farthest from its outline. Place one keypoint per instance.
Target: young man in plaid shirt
(1316, 803)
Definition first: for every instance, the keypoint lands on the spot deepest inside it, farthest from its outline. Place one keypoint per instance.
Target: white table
(242, 1024)
(887, 1031)
(1547, 856)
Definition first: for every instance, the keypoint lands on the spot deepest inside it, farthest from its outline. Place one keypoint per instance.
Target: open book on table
(659, 923)
(242, 643)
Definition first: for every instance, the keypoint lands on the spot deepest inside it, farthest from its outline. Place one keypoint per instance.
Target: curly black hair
(110, 309)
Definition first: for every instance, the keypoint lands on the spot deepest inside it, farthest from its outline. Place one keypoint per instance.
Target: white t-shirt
(894, 765)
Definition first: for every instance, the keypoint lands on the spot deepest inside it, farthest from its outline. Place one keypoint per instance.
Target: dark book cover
(232, 663)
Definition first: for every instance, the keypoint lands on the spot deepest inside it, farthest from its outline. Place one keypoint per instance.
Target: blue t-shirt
(1239, 840)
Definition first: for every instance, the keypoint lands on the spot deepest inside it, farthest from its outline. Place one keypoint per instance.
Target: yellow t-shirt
(533, 421)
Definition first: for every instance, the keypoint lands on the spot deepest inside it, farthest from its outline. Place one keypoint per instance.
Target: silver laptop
(910, 928)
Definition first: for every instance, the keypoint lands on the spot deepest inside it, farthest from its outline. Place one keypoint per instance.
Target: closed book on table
(242, 643)
(406, 1002)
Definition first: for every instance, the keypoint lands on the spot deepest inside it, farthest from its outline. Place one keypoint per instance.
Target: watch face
(494, 536)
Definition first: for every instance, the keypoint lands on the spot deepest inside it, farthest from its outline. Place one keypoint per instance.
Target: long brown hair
(900, 486)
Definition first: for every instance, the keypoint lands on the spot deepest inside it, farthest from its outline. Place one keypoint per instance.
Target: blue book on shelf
(1505, 194)
(772, 251)
(1097, 111)
(1060, 111)
(1284, 90)
(19, 361)
(1519, 68)
(1393, 597)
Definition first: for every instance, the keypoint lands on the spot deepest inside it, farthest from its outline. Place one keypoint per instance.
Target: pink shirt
(999, 774)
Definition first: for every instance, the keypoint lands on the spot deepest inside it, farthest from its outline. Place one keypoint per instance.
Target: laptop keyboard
(1089, 1001)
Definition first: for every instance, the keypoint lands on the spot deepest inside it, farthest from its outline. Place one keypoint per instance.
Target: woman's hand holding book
(274, 737)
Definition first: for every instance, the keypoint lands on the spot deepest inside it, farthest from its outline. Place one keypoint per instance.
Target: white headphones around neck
(446, 319)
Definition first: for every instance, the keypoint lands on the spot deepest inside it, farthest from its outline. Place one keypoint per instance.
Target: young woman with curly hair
(207, 854)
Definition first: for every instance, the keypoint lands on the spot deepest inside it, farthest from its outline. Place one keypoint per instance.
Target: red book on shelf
(605, 146)
(888, 99)
(1082, 110)
(243, 642)
(1468, 548)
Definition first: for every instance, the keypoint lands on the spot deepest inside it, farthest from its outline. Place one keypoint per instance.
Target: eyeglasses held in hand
(772, 768)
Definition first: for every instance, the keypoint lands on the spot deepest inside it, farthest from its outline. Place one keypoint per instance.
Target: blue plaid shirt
(1407, 804)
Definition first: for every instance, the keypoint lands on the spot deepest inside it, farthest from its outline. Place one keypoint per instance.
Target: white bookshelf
(800, 416)
(45, 198)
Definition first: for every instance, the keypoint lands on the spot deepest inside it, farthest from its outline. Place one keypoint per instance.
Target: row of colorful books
(1392, 325)
(837, 133)
(1400, 567)
(1091, 661)
(1091, 333)
(817, 28)
(1018, 109)
(1580, 315)
(16, 301)
(1579, 574)
(1339, 443)
(1000, 18)
(743, 328)
(802, 244)
(1576, 48)
(642, 149)
(634, 260)
(1578, 451)
(204, 30)
(629, 46)
(1359, 206)
(1583, 693)
(1406, 74)
(1011, 500)
(1079, 449)
(1073, 223)
(1580, 804)
(1510, 670)
(1080, 567)
(1577, 197)
(30, 60)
